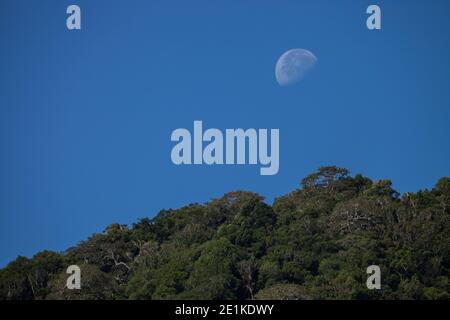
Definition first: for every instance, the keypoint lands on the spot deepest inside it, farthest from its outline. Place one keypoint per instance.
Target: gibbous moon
(293, 65)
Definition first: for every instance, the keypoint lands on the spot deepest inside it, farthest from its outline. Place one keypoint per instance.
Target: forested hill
(313, 243)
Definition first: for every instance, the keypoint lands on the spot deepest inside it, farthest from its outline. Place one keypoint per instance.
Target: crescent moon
(293, 66)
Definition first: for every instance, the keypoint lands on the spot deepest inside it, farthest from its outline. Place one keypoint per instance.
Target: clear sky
(86, 116)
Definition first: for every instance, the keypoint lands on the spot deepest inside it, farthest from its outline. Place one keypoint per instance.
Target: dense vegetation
(313, 243)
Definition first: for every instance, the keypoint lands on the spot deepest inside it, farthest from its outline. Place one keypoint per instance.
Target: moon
(293, 66)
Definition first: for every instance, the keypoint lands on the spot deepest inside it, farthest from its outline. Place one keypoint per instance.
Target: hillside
(313, 243)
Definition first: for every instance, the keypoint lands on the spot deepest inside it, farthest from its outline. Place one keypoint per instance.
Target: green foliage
(95, 285)
(313, 243)
(284, 292)
(15, 282)
(214, 272)
(25, 279)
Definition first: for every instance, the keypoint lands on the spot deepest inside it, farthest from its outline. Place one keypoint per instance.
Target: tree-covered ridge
(313, 243)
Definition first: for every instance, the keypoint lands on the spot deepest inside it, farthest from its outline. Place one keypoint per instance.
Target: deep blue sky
(86, 116)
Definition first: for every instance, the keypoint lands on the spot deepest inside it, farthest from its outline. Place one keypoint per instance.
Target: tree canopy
(313, 243)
